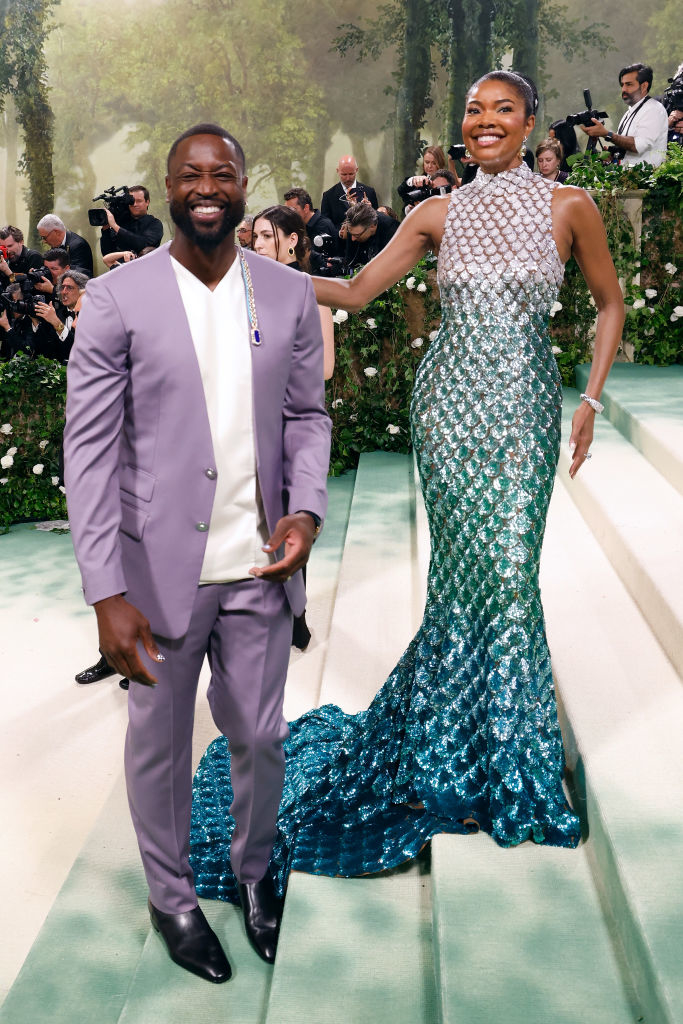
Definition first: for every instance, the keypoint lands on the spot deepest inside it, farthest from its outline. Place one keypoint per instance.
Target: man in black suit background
(316, 225)
(19, 259)
(336, 201)
(53, 232)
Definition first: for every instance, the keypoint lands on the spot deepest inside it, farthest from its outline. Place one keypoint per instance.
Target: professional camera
(117, 200)
(21, 295)
(673, 96)
(458, 153)
(416, 195)
(585, 117)
(324, 262)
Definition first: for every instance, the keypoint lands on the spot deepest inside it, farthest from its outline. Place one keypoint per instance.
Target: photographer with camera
(55, 235)
(322, 233)
(128, 226)
(61, 316)
(15, 258)
(642, 133)
(366, 232)
(21, 327)
(423, 186)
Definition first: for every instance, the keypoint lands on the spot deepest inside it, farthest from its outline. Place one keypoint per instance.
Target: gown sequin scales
(465, 728)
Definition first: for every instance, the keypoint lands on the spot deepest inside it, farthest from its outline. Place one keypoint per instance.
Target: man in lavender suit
(197, 447)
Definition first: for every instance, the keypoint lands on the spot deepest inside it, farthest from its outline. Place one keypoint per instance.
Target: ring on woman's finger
(588, 455)
(286, 579)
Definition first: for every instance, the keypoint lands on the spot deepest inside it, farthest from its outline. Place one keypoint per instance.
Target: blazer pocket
(137, 482)
(133, 521)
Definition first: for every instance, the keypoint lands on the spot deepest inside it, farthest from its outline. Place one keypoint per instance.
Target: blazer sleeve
(372, 195)
(306, 425)
(97, 375)
(326, 204)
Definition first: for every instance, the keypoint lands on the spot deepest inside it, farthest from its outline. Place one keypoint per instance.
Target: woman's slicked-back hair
(207, 128)
(520, 85)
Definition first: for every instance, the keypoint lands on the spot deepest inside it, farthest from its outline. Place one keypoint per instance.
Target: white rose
(38, 468)
(673, 318)
(670, 268)
(6, 461)
(63, 490)
(371, 323)
(651, 293)
(341, 316)
(4, 480)
(591, 301)
(337, 402)
(557, 351)
(54, 480)
(43, 445)
(393, 429)
(650, 309)
(422, 287)
(6, 428)
(410, 283)
(639, 303)
(555, 308)
(11, 451)
(678, 310)
(432, 335)
(370, 371)
(417, 343)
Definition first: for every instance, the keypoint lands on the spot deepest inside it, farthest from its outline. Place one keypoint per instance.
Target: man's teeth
(207, 209)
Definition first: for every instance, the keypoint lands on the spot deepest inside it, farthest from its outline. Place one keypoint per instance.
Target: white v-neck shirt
(219, 326)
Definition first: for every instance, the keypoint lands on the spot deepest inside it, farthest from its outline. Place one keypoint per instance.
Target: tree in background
(24, 27)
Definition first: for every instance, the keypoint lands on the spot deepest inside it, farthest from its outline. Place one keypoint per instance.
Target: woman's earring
(523, 149)
(290, 251)
(468, 155)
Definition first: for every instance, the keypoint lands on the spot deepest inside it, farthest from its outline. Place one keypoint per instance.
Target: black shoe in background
(301, 634)
(96, 672)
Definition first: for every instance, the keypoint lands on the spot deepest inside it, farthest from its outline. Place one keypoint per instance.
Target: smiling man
(642, 131)
(197, 448)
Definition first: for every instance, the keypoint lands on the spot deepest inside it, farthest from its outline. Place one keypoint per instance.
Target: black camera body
(21, 295)
(585, 117)
(324, 262)
(416, 195)
(672, 97)
(117, 200)
(458, 152)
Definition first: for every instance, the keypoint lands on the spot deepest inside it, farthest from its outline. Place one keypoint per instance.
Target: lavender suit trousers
(245, 628)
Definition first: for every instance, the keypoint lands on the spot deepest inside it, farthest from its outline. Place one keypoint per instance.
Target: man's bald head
(347, 168)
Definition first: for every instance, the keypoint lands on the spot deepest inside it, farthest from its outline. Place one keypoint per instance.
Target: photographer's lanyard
(251, 304)
(627, 119)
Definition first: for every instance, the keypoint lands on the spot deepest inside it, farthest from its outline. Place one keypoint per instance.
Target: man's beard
(207, 239)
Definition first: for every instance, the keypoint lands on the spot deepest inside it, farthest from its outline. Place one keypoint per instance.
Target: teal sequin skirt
(464, 732)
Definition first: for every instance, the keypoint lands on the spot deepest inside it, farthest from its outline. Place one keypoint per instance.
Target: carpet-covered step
(645, 403)
(621, 708)
(358, 950)
(637, 516)
(520, 938)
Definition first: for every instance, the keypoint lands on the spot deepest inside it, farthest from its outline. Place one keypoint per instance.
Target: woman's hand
(581, 436)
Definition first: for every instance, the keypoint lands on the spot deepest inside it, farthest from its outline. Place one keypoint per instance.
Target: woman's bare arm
(419, 233)
(327, 325)
(581, 225)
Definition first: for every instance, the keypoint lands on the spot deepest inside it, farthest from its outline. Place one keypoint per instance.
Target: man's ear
(168, 189)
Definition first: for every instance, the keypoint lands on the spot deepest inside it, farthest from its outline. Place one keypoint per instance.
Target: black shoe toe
(262, 915)
(192, 943)
(96, 672)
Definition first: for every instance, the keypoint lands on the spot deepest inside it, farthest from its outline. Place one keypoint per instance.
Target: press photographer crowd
(41, 293)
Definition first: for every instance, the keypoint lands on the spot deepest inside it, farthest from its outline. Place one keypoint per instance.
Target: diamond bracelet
(593, 402)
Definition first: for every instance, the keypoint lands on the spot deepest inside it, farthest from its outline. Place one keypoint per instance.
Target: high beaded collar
(503, 180)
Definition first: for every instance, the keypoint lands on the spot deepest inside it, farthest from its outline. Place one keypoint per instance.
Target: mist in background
(125, 78)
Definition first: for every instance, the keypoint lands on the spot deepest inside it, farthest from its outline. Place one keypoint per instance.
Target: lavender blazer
(139, 459)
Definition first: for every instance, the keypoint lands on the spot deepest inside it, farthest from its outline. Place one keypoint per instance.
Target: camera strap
(630, 115)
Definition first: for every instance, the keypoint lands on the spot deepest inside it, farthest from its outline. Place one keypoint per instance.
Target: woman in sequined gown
(464, 732)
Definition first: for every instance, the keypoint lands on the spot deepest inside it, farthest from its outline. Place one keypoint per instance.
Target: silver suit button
(202, 527)
(211, 473)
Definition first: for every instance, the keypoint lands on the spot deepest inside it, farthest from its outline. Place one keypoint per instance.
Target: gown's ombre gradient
(464, 731)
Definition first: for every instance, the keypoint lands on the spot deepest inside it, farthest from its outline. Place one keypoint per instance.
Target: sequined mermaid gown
(465, 728)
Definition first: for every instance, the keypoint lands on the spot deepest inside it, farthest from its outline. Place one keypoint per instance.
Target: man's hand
(297, 533)
(44, 286)
(120, 626)
(5, 267)
(596, 131)
(112, 223)
(4, 320)
(46, 311)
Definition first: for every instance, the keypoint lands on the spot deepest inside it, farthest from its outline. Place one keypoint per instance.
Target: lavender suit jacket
(138, 444)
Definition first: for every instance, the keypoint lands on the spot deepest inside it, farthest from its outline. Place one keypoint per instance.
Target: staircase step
(621, 708)
(638, 519)
(645, 403)
(520, 937)
(355, 951)
(359, 950)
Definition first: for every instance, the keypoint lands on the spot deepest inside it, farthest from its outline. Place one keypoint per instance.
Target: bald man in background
(336, 201)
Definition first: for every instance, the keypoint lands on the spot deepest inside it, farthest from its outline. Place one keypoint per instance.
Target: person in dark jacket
(19, 259)
(139, 230)
(55, 234)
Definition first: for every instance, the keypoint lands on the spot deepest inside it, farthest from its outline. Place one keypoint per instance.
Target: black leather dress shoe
(262, 915)
(301, 634)
(191, 943)
(96, 672)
